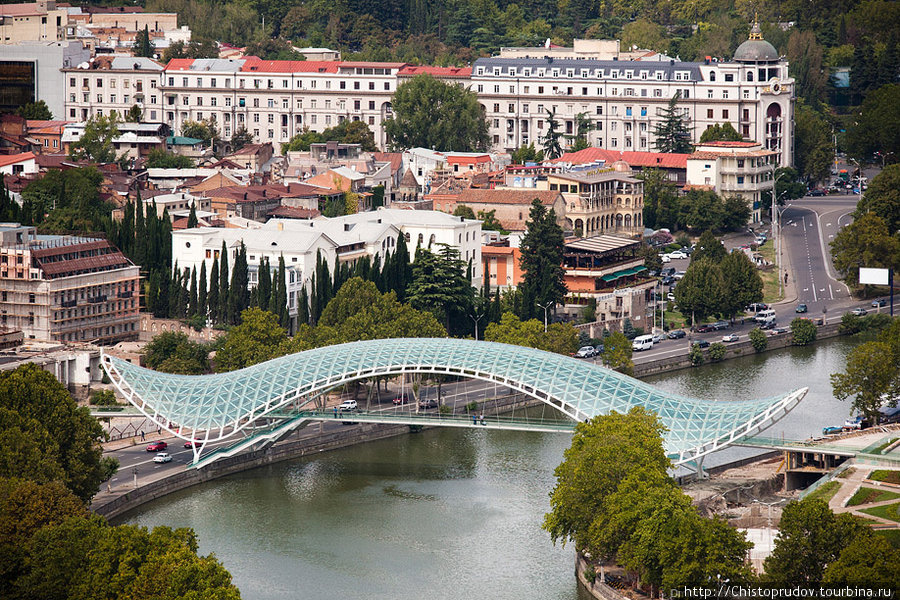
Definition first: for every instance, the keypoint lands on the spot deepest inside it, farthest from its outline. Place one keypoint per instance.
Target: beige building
(601, 200)
(114, 83)
(66, 288)
(742, 169)
(40, 21)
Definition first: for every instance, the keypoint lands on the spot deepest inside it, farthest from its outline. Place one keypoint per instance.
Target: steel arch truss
(208, 408)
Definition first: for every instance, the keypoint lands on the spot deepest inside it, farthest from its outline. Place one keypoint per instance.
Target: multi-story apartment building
(624, 100)
(114, 83)
(601, 199)
(66, 288)
(40, 21)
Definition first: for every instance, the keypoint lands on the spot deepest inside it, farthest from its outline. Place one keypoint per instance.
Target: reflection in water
(444, 513)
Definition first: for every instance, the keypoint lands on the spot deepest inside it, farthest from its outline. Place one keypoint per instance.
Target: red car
(401, 399)
(192, 444)
(157, 446)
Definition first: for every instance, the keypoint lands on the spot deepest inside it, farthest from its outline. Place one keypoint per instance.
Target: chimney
(280, 226)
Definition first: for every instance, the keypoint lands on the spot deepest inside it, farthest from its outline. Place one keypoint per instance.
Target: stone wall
(150, 327)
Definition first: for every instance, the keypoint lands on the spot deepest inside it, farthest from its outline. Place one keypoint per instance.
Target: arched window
(712, 75)
(749, 75)
(407, 237)
(431, 241)
(421, 238)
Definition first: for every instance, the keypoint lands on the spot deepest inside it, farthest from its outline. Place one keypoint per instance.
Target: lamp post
(545, 307)
(476, 318)
(776, 230)
(858, 176)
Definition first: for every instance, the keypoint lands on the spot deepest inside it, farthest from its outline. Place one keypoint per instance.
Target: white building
(734, 169)
(114, 83)
(18, 164)
(344, 239)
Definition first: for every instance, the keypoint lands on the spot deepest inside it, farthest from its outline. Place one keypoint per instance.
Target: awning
(623, 273)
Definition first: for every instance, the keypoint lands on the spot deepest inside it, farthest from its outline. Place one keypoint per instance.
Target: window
(740, 179)
(709, 113)
(112, 98)
(725, 94)
(709, 93)
(729, 77)
(712, 75)
(725, 113)
(512, 108)
(627, 111)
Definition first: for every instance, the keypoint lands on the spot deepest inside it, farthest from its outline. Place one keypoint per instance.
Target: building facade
(65, 288)
(742, 169)
(601, 200)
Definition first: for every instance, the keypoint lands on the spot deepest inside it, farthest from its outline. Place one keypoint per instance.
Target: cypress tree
(403, 268)
(264, 284)
(239, 292)
(212, 299)
(174, 292)
(162, 299)
(192, 217)
(193, 308)
(140, 233)
(202, 291)
(302, 307)
(223, 286)
(272, 304)
(283, 314)
(151, 299)
(184, 295)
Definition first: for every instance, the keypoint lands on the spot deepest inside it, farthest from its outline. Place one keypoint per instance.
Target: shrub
(850, 323)
(472, 406)
(103, 398)
(717, 352)
(590, 573)
(758, 339)
(696, 356)
(444, 409)
(803, 332)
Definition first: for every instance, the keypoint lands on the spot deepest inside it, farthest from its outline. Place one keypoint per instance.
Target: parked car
(642, 342)
(832, 430)
(857, 422)
(667, 271)
(677, 334)
(801, 308)
(668, 280)
(767, 325)
(700, 343)
(429, 403)
(658, 337)
(757, 307)
(780, 330)
(720, 325)
(879, 302)
(162, 457)
(816, 192)
(705, 328)
(678, 255)
(401, 399)
(664, 258)
(348, 405)
(585, 352)
(670, 297)
(730, 338)
(157, 446)
(859, 311)
(678, 275)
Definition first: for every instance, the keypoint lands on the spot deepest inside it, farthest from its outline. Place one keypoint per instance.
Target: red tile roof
(395, 158)
(635, 159)
(293, 212)
(436, 71)
(256, 65)
(12, 159)
(514, 196)
(373, 65)
(468, 160)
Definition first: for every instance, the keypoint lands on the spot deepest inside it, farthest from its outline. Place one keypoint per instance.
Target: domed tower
(756, 49)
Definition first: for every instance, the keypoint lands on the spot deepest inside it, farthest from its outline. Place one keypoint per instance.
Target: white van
(642, 342)
(765, 316)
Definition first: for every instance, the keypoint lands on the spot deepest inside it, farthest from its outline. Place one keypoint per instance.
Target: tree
(526, 154)
(561, 338)
(172, 352)
(274, 49)
(241, 138)
(212, 298)
(257, 339)
(758, 339)
(724, 132)
(871, 377)
(865, 242)
(810, 537)
(709, 246)
(617, 352)
(192, 216)
(805, 56)
(803, 332)
(45, 435)
(735, 214)
(352, 132)
(200, 130)
(541, 260)
(661, 202)
(38, 111)
(877, 128)
(203, 293)
(550, 140)
(741, 283)
(238, 290)
(869, 560)
(439, 285)
(96, 143)
(134, 114)
(701, 210)
(9, 208)
(463, 211)
(142, 44)
(429, 113)
(65, 200)
(222, 309)
(160, 159)
(813, 148)
(699, 293)
(489, 221)
(671, 132)
(883, 198)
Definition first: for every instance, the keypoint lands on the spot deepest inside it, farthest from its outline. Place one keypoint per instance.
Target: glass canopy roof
(214, 407)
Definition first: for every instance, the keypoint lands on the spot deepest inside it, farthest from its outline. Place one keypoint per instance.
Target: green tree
(526, 154)
(238, 290)
(541, 260)
(561, 338)
(65, 200)
(142, 44)
(224, 273)
(551, 139)
(719, 133)
(38, 111)
(871, 377)
(134, 114)
(302, 141)
(352, 132)
(200, 130)
(877, 128)
(717, 351)
(617, 352)
(709, 246)
(489, 221)
(803, 332)
(439, 285)
(241, 138)
(805, 57)
(464, 211)
(810, 537)
(758, 339)
(865, 242)
(701, 210)
(429, 113)
(274, 49)
(160, 159)
(671, 132)
(212, 298)
(96, 143)
(699, 294)
(813, 148)
(203, 292)
(661, 202)
(257, 339)
(735, 213)
(9, 209)
(883, 198)
(45, 435)
(741, 283)
(869, 560)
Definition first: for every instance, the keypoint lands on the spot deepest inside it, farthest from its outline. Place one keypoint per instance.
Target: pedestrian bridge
(210, 408)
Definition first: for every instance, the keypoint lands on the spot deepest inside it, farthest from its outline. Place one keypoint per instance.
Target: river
(444, 513)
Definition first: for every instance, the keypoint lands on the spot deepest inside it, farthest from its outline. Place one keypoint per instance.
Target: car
(757, 307)
(879, 302)
(585, 352)
(429, 403)
(677, 334)
(816, 192)
(700, 343)
(832, 430)
(348, 405)
(658, 337)
(667, 271)
(767, 325)
(157, 446)
(705, 328)
(801, 308)
(162, 457)
(730, 338)
(859, 311)
(664, 258)
(189, 444)
(668, 280)
(720, 325)
(401, 399)
(780, 330)
(678, 275)
(678, 255)
(670, 297)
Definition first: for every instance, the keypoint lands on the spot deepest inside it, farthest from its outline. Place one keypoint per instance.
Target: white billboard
(873, 276)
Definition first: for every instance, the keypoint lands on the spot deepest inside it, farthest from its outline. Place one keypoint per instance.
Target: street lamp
(545, 307)
(476, 319)
(776, 228)
(858, 176)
